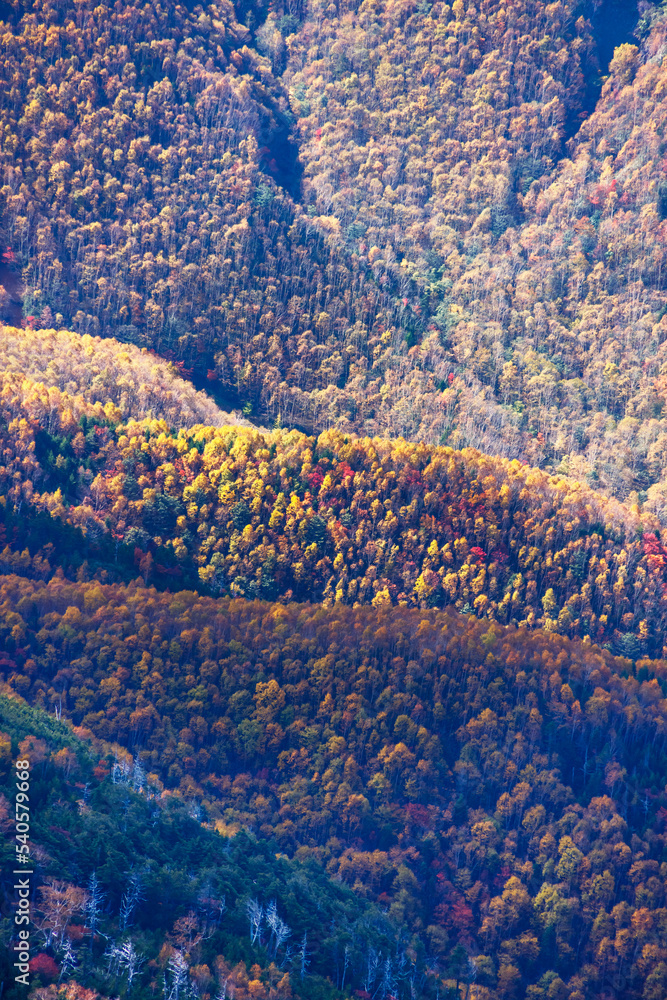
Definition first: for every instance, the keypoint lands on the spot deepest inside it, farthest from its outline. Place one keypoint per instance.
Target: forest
(151, 879)
(497, 793)
(279, 515)
(333, 465)
(432, 682)
(390, 218)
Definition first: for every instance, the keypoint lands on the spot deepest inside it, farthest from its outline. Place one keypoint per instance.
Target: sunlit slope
(333, 518)
(103, 370)
(368, 217)
(533, 269)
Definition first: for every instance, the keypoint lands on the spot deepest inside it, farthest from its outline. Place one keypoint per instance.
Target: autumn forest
(333, 499)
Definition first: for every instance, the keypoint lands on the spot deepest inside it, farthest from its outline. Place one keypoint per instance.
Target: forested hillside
(284, 516)
(378, 216)
(499, 793)
(497, 789)
(141, 154)
(135, 889)
(536, 266)
(139, 383)
(360, 690)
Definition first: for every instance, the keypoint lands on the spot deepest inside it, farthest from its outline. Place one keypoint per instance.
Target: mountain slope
(542, 275)
(332, 715)
(499, 792)
(103, 370)
(141, 200)
(96, 816)
(367, 217)
(282, 515)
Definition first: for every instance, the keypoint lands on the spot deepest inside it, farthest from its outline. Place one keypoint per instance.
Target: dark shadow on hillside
(613, 23)
(280, 157)
(11, 310)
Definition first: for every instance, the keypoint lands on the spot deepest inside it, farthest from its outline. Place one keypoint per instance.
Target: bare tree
(94, 905)
(130, 962)
(138, 776)
(388, 981)
(179, 987)
(255, 913)
(68, 962)
(302, 955)
(121, 772)
(111, 955)
(371, 971)
(131, 897)
(346, 964)
(279, 929)
(124, 960)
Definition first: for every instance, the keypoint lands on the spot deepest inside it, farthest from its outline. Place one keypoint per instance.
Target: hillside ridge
(445, 275)
(491, 787)
(280, 515)
(370, 702)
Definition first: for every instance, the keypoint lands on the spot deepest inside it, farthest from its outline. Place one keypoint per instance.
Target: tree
(255, 914)
(126, 962)
(68, 962)
(131, 897)
(94, 906)
(302, 955)
(279, 929)
(59, 903)
(178, 988)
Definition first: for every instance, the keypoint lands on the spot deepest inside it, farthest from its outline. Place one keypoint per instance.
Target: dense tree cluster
(450, 272)
(435, 136)
(415, 693)
(135, 380)
(282, 515)
(141, 152)
(133, 893)
(422, 127)
(499, 791)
